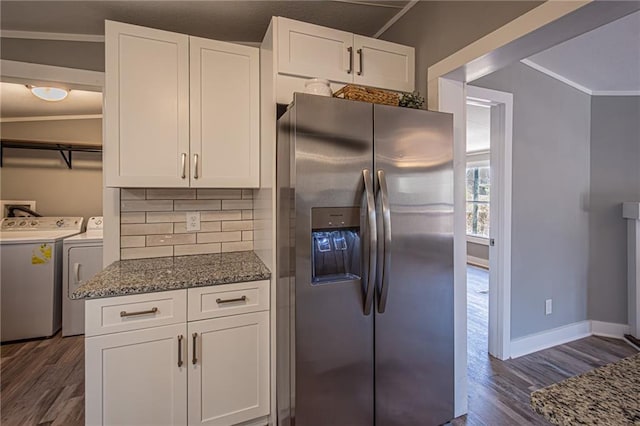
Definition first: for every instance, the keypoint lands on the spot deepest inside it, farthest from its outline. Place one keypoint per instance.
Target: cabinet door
(225, 114)
(134, 377)
(146, 107)
(82, 264)
(309, 50)
(229, 370)
(383, 64)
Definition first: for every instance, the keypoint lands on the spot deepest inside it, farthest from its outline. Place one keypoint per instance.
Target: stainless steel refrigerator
(365, 264)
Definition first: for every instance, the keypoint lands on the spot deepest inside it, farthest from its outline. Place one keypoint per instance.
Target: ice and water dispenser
(336, 244)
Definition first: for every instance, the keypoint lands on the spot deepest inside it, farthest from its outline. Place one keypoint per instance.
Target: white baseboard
(549, 338)
(478, 261)
(609, 329)
(565, 334)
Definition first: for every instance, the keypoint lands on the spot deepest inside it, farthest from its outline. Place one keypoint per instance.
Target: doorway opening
(488, 224)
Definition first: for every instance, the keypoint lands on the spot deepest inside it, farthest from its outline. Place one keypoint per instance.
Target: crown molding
(537, 67)
(38, 35)
(50, 118)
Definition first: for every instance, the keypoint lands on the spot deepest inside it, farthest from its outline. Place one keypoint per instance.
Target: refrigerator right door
(414, 377)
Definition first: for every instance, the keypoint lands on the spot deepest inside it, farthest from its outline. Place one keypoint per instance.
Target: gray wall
(68, 54)
(615, 177)
(478, 250)
(550, 225)
(439, 28)
(44, 177)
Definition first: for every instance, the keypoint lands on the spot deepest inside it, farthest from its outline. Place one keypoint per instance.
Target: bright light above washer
(50, 94)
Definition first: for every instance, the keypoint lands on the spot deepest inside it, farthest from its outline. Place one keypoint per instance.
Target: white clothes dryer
(82, 259)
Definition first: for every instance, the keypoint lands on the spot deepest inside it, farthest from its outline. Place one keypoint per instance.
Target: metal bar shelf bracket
(66, 150)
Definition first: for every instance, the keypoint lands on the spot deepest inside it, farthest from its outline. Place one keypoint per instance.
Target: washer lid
(17, 237)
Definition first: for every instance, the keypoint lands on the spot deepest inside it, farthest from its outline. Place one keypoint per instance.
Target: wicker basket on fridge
(368, 94)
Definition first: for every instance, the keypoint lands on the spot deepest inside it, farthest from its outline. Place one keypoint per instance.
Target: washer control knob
(34, 223)
(59, 222)
(22, 223)
(11, 223)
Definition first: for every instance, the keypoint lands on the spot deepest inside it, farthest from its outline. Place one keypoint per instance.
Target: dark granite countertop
(172, 273)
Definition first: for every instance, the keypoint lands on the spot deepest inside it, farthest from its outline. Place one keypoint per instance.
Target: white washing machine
(31, 290)
(82, 259)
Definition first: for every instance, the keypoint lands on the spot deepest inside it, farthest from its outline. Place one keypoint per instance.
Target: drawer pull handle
(180, 337)
(194, 360)
(132, 314)
(239, 299)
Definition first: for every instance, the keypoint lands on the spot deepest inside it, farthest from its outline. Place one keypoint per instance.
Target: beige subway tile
(217, 237)
(237, 225)
(132, 194)
(237, 204)
(171, 194)
(247, 194)
(247, 214)
(237, 246)
(158, 217)
(145, 205)
(134, 217)
(220, 215)
(129, 242)
(247, 235)
(219, 194)
(196, 249)
(170, 239)
(146, 252)
(146, 229)
(195, 205)
(181, 228)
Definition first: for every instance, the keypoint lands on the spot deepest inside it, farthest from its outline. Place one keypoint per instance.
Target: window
(478, 187)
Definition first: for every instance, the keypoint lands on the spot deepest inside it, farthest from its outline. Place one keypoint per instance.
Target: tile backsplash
(153, 222)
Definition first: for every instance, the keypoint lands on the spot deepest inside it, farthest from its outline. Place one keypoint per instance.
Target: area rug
(608, 395)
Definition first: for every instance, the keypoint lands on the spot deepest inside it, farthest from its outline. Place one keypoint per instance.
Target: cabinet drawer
(124, 313)
(228, 299)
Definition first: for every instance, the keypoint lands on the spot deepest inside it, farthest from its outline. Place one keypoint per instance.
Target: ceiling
(16, 100)
(223, 20)
(605, 61)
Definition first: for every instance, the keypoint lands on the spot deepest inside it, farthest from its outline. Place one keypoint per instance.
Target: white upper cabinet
(180, 111)
(313, 51)
(383, 64)
(307, 50)
(146, 106)
(225, 114)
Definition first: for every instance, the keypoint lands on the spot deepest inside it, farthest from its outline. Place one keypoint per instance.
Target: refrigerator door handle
(372, 243)
(386, 230)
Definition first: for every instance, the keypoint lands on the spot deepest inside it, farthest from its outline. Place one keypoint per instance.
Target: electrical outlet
(548, 306)
(193, 221)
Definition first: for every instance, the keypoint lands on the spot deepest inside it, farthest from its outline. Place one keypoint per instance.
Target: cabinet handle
(180, 337)
(184, 165)
(350, 50)
(195, 166)
(132, 314)
(76, 269)
(360, 61)
(194, 360)
(239, 299)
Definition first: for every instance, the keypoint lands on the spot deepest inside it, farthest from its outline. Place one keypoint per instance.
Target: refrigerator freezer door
(331, 147)
(414, 330)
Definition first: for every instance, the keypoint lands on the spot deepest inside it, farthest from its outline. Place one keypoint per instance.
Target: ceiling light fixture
(50, 94)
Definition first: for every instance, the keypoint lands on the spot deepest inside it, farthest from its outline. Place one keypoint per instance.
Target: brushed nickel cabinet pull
(194, 359)
(239, 299)
(180, 337)
(350, 50)
(360, 61)
(184, 165)
(132, 314)
(195, 166)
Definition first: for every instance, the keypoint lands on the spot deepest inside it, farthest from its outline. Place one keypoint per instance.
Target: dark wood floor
(42, 381)
(499, 390)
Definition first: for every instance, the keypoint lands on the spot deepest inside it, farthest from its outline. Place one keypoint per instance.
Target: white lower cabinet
(203, 371)
(229, 369)
(133, 377)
